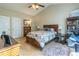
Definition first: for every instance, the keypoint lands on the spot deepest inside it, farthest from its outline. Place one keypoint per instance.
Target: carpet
(55, 49)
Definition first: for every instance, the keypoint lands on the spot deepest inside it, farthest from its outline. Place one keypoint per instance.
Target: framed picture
(27, 22)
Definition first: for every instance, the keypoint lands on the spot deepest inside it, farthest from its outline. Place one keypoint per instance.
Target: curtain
(5, 24)
(12, 26)
(16, 27)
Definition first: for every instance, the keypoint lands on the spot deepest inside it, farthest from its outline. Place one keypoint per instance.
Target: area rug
(55, 49)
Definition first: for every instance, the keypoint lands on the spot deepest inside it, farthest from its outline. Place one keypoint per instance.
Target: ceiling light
(35, 6)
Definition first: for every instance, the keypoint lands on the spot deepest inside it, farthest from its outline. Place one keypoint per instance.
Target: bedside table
(62, 38)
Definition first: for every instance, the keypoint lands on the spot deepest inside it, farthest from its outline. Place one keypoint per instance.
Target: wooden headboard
(54, 26)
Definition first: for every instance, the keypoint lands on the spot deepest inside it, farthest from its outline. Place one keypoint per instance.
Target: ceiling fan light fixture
(35, 6)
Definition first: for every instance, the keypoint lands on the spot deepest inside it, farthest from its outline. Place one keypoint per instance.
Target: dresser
(27, 30)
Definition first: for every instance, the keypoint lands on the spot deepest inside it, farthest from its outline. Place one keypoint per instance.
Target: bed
(40, 38)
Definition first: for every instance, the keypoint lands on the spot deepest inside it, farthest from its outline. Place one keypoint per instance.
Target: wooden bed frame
(33, 42)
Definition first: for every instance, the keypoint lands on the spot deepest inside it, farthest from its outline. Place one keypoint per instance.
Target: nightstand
(62, 38)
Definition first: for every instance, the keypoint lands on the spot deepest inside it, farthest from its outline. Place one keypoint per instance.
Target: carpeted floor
(51, 49)
(29, 50)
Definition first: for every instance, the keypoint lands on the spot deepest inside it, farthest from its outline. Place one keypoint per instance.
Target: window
(4, 24)
(16, 27)
(12, 26)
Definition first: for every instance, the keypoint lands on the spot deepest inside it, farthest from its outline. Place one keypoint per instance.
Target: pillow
(46, 29)
(49, 29)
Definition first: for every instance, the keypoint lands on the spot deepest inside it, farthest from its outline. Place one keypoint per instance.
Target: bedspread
(42, 36)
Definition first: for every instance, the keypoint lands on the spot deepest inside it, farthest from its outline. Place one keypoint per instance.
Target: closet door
(4, 24)
(16, 27)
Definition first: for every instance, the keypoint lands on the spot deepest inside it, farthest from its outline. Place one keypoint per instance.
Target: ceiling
(23, 7)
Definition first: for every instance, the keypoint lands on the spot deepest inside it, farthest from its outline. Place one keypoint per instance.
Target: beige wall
(55, 14)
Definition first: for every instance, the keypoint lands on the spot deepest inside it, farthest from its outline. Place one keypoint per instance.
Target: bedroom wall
(10, 13)
(55, 14)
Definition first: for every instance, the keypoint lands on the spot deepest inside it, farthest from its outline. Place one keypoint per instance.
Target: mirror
(74, 13)
(27, 22)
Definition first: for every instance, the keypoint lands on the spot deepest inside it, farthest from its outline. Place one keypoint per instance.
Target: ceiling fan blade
(29, 6)
(41, 5)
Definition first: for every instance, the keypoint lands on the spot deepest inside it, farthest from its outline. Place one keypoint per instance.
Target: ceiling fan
(36, 6)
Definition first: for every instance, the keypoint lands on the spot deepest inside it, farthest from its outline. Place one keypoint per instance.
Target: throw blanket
(56, 49)
(72, 40)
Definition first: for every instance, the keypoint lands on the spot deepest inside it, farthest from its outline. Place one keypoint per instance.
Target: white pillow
(51, 29)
